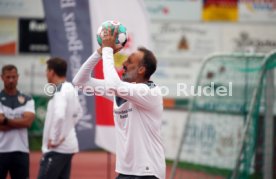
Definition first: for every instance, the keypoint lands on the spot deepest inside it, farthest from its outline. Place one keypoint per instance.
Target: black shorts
(55, 165)
(122, 176)
(16, 163)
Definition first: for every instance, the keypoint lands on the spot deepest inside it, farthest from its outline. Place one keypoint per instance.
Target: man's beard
(10, 86)
(125, 77)
(128, 77)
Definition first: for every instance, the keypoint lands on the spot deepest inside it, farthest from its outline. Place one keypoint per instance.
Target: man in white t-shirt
(17, 113)
(59, 136)
(138, 107)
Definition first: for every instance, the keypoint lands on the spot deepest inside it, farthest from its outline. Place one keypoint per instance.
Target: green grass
(202, 168)
(210, 170)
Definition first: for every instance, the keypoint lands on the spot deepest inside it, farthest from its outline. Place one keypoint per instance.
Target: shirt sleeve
(84, 80)
(30, 106)
(78, 114)
(59, 113)
(138, 93)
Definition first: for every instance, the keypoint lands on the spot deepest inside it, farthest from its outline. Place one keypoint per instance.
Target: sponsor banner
(32, 72)
(172, 129)
(220, 10)
(69, 34)
(132, 14)
(8, 36)
(33, 36)
(211, 139)
(186, 10)
(21, 8)
(177, 77)
(180, 49)
(257, 11)
(179, 40)
(250, 38)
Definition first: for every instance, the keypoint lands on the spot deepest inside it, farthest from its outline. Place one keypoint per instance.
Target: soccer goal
(229, 129)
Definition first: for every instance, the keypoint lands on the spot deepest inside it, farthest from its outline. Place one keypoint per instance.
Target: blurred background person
(17, 113)
(59, 135)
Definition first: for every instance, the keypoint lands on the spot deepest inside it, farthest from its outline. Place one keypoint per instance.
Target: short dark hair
(58, 65)
(8, 67)
(149, 61)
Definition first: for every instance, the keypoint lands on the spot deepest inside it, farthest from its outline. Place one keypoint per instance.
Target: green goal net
(221, 131)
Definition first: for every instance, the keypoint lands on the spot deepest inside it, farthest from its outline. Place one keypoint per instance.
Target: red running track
(94, 165)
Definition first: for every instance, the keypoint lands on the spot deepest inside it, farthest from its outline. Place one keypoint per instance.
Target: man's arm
(24, 122)
(83, 78)
(84, 74)
(139, 94)
(2, 117)
(56, 135)
(51, 145)
(2, 126)
(5, 128)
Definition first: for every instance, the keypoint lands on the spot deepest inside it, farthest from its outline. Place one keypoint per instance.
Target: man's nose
(11, 79)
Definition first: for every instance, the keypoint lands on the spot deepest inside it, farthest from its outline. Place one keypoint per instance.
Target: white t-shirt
(139, 149)
(63, 112)
(14, 107)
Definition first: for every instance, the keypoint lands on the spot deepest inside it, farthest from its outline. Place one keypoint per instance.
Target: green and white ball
(122, 32)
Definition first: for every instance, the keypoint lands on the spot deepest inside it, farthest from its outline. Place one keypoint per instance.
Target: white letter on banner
(67, 3)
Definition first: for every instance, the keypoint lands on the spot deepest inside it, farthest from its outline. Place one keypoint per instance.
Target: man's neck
(58, 81)
(141, 80)
(10, 92)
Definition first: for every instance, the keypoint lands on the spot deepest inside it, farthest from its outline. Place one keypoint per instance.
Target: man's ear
(142, 70)
(51, 72)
